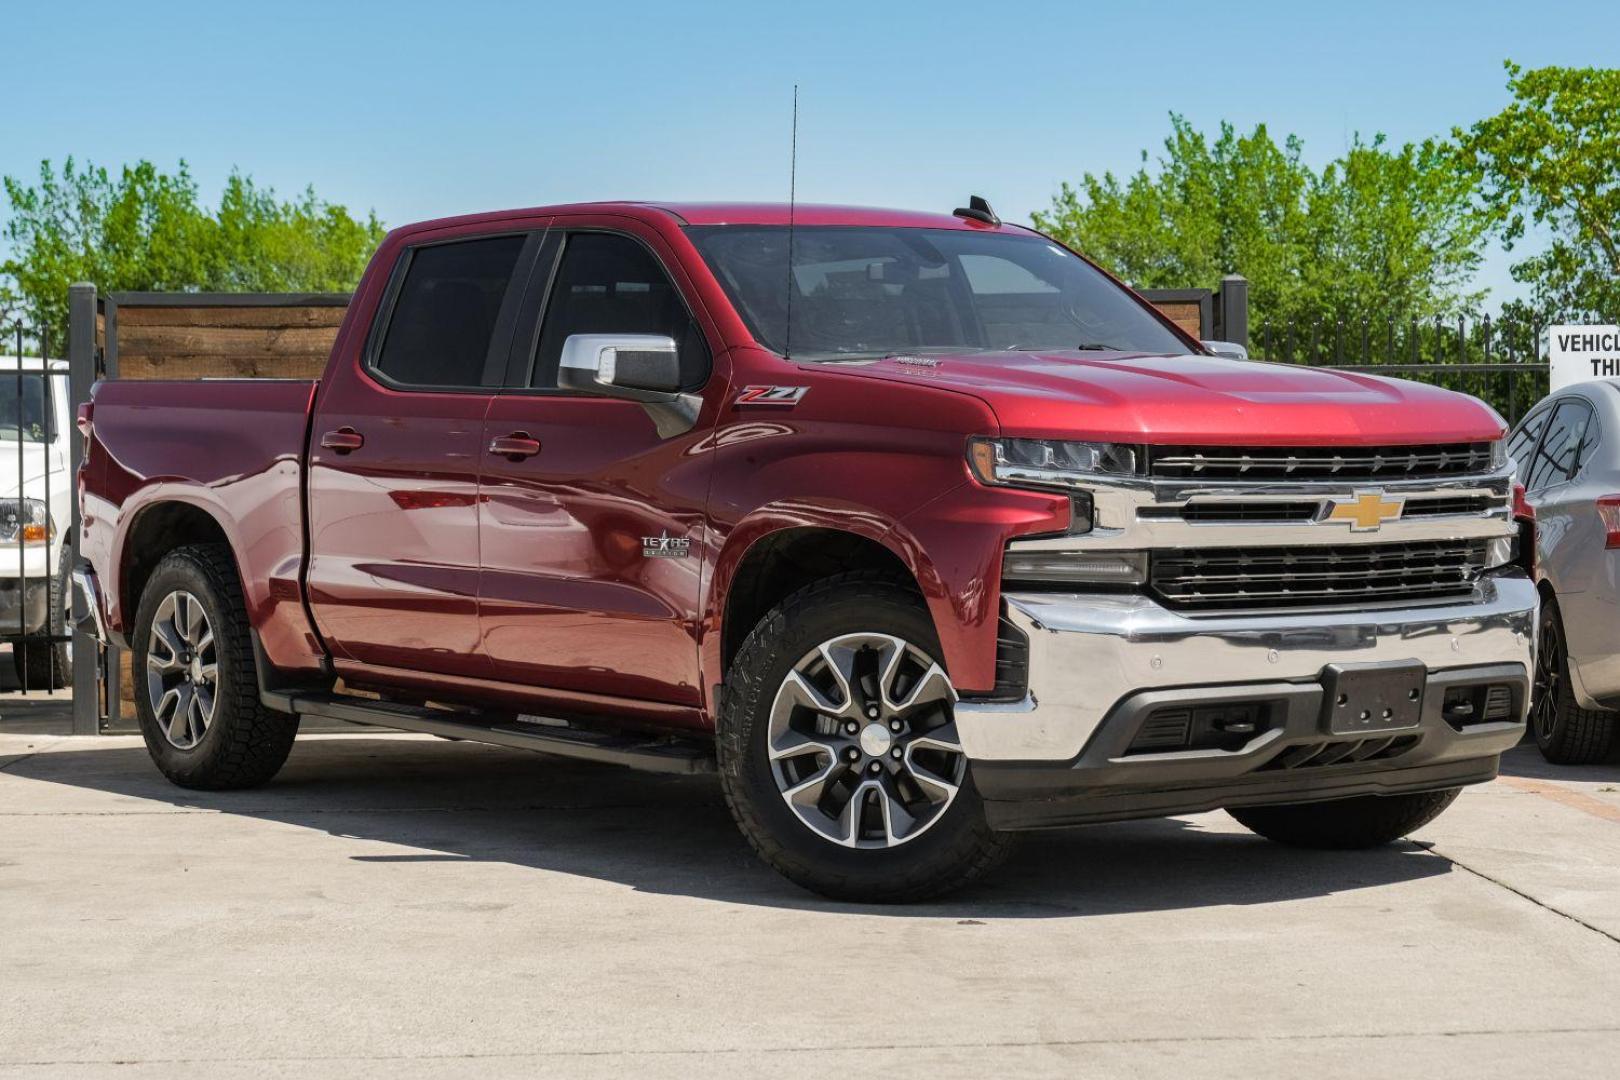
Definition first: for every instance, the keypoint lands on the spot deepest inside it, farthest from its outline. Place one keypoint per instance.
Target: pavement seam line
(1499, 883)
(20, 758)
(1007, 1044)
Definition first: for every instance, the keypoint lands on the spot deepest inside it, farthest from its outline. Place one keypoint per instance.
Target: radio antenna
(793, 176)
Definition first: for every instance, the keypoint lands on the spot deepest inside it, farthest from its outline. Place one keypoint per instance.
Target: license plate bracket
(1373, 698)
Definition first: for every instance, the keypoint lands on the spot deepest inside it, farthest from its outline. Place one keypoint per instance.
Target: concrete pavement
(398, 906)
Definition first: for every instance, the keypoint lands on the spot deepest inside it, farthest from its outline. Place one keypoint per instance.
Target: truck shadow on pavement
(418, 800)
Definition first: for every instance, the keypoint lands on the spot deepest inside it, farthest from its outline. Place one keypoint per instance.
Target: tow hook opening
(1480, 703)
(1228, 726)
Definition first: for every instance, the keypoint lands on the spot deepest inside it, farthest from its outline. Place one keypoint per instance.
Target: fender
(951, 546)
(729, 551)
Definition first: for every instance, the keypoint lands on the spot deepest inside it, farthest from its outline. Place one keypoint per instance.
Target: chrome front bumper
(1088, 652)
(23, 610)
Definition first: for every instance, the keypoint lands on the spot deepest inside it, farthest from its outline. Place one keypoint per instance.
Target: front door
(395, 459)
(592, 521)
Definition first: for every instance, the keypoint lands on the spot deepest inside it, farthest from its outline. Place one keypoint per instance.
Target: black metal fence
(36, 513)
(1502, 361)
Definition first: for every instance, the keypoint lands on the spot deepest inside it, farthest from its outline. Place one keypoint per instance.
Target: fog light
(1076, 567)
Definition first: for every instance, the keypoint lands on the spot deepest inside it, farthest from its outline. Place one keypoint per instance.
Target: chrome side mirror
(645, 368)
(1229, 349)
(649, 363)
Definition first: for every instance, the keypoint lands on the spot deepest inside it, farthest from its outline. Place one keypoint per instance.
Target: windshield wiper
(1092, 346)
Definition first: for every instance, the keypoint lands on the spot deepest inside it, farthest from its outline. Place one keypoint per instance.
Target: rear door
(593, 538)
(395, 459)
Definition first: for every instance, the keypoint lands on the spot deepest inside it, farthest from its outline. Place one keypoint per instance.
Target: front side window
(1557, 457)
(443, 320)
(859, 292)
(610, 284)
(1522, 443)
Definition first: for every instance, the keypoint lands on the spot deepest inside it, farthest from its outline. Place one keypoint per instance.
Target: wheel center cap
(876, 740)
(196, 669)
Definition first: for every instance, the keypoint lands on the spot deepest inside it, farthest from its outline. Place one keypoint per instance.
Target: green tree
(148, 230)
(1378, 233)
(1549, 159)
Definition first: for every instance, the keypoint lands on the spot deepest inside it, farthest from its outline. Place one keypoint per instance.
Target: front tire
(196, 682)
(1565, 733)
(1346, 824)
(837, 748)
(48, 665)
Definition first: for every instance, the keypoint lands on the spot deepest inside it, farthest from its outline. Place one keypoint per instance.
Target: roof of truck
(739, 213)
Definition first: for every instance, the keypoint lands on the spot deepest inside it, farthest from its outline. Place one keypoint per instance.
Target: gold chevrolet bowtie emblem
(1367, 512)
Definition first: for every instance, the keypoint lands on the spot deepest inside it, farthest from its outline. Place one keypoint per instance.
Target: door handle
(343, 440)
(516, 446)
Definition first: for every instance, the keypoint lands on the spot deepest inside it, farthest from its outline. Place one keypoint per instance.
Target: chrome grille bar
(1237, 579)
(1330, 463)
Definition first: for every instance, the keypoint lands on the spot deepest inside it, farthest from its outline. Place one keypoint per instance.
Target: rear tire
(897, 819)
(1566, 734)
(1345, 824)
(48, 665)
(194, 661)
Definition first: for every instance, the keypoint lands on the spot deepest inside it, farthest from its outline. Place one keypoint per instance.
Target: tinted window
(26, 417)
(612, 285)
(1522, 443)
(443, 320)
(1555, 461)
(875, 291)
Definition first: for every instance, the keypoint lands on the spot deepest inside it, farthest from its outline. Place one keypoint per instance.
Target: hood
(33, 471)
(1129, 397)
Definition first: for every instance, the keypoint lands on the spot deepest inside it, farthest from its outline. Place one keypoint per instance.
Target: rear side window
(1559, 454)
(609, 284)
(444, 317)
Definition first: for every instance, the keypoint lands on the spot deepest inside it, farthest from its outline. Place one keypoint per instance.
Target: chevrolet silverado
(920, 529)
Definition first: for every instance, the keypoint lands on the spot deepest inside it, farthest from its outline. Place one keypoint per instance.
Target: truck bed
(232, 447)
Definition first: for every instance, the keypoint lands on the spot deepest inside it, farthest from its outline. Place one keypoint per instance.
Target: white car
(36, 512)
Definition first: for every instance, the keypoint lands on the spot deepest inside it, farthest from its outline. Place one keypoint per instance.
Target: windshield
(863, 292)
(28, 417)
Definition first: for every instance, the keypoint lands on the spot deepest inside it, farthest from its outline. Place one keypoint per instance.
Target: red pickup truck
(920, 528)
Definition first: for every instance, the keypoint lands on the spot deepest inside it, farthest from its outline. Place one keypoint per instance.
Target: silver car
(1567, 452)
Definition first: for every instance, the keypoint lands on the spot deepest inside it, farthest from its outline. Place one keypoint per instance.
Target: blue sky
(424, 109)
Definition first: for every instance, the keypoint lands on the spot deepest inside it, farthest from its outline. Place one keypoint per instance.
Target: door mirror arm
(643, 368)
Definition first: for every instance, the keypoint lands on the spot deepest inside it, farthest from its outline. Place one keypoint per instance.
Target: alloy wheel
(1548, 681)
(182, 670)
(863, 745)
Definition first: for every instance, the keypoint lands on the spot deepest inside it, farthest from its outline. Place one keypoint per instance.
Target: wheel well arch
(155, 532)
(782, 562)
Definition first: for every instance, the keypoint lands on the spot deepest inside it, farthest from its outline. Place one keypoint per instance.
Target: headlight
(1048, 462)
(24, 517)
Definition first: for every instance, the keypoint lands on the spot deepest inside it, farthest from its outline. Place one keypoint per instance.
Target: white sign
(1579, 353)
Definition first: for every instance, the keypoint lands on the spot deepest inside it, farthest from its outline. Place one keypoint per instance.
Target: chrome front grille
(1238, 579)
(1349, 463)
(1228, 511)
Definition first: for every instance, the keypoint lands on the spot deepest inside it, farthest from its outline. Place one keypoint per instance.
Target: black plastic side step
(637, 752)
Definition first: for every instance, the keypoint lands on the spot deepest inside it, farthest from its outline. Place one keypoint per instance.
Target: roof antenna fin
(793, 176)
(977, 210)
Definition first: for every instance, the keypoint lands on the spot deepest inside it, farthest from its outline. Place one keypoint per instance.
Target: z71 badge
(771, 395)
